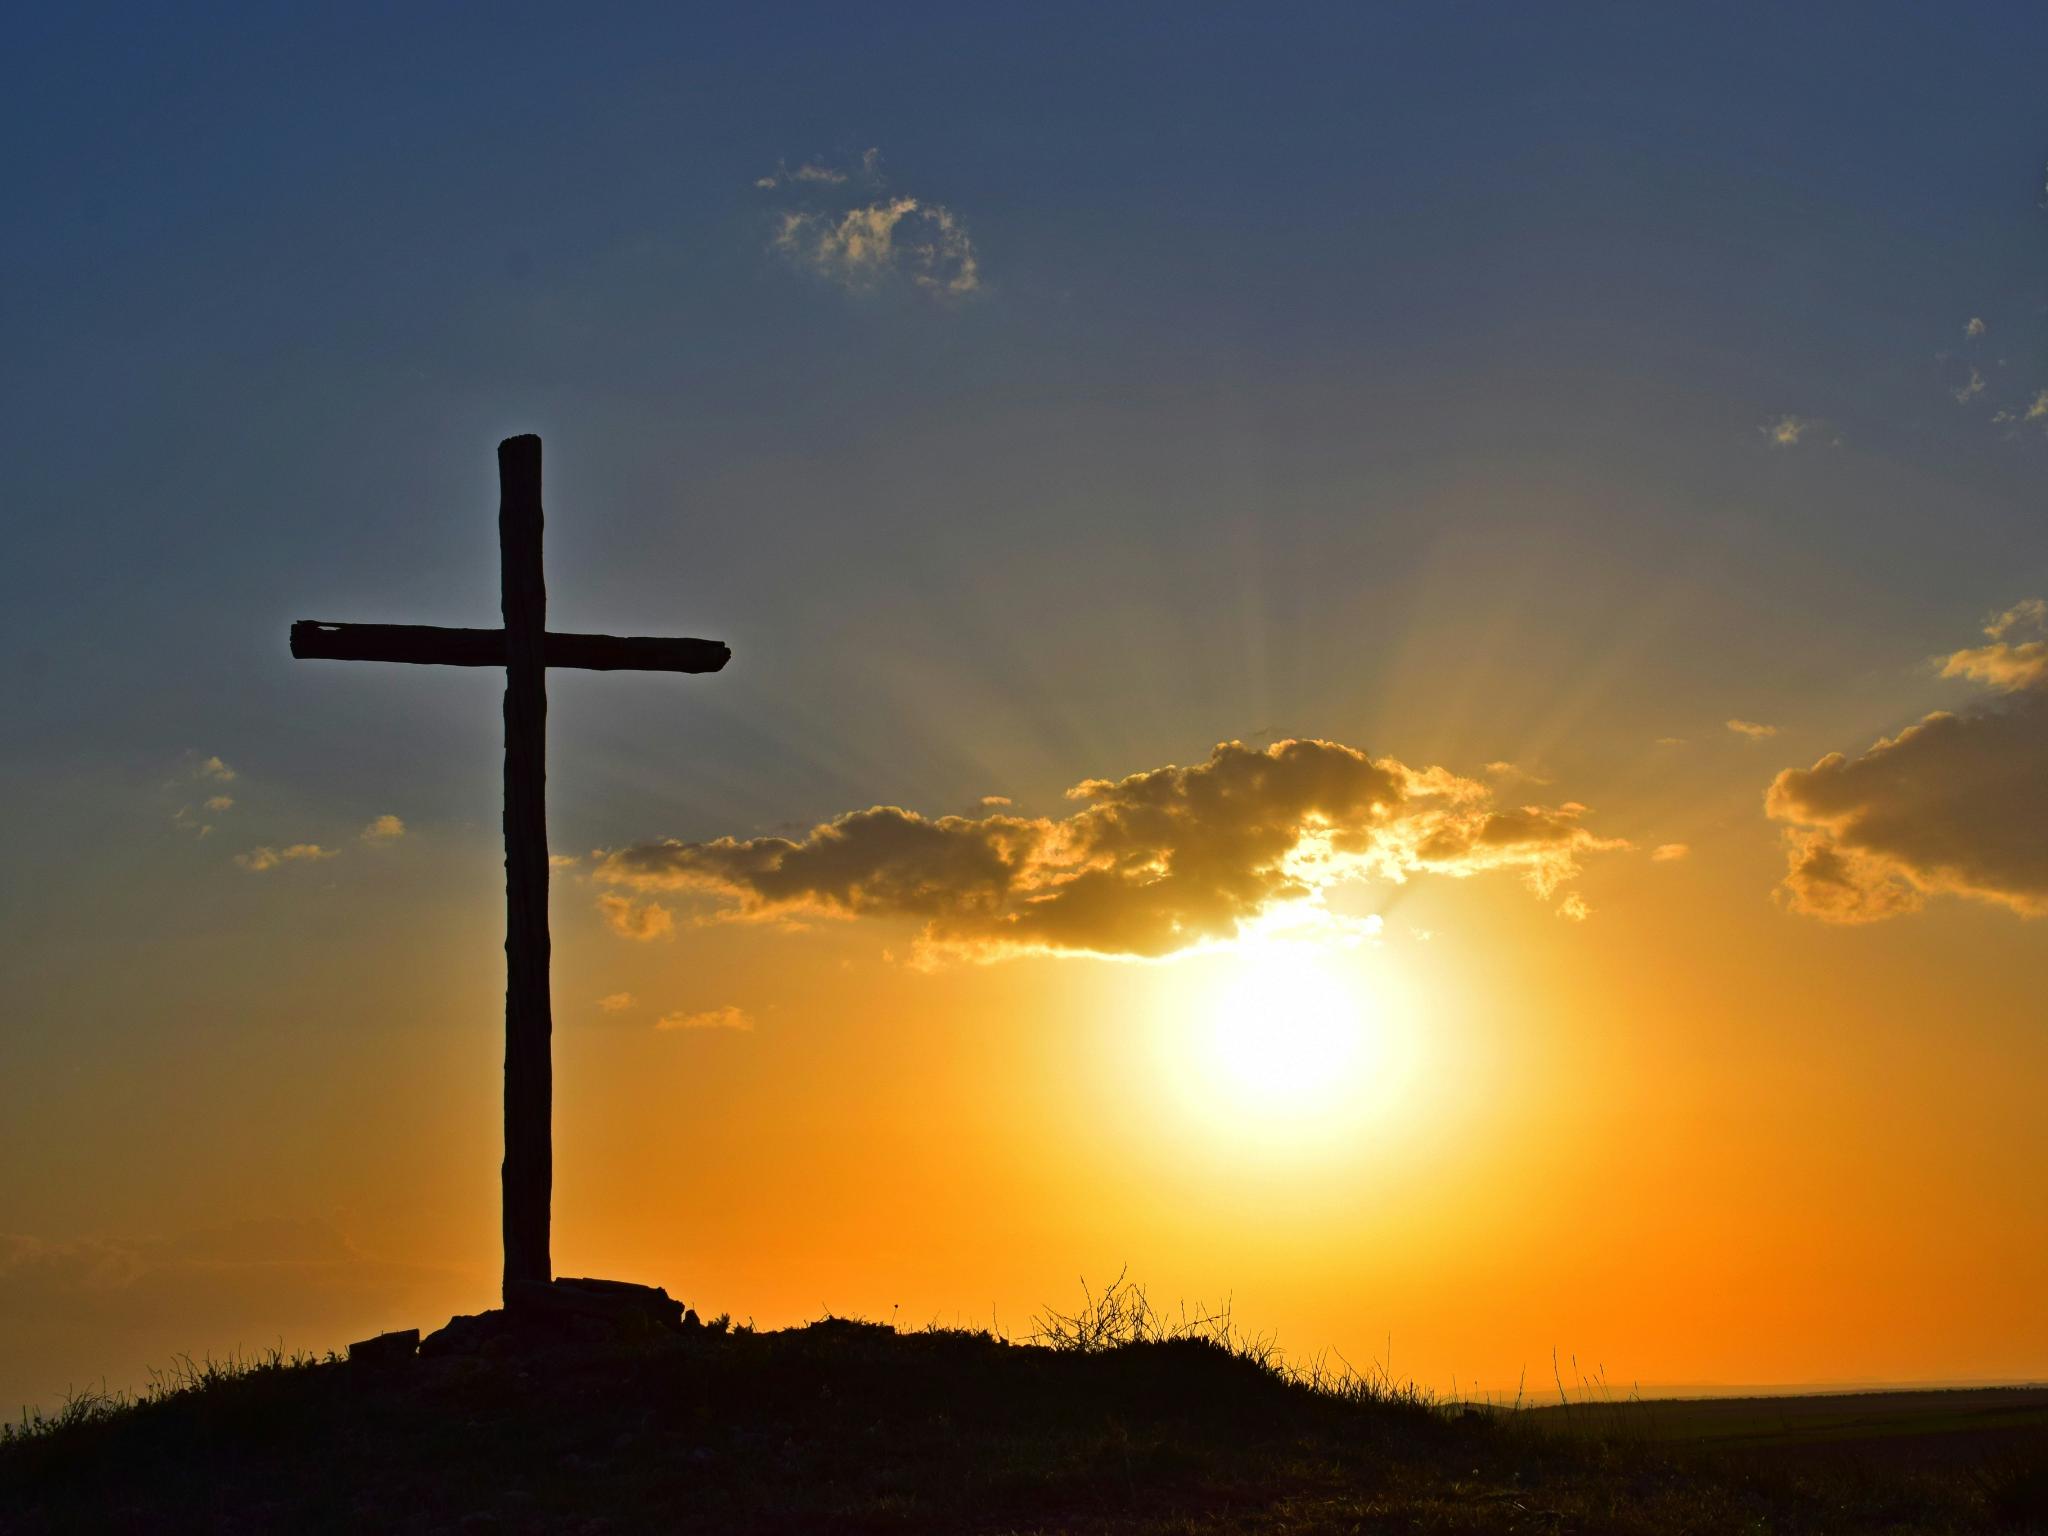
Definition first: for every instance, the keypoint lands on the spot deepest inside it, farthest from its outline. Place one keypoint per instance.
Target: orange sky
(1693, 1138)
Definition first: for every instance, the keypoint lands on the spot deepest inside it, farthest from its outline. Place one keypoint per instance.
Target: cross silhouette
(525, 648)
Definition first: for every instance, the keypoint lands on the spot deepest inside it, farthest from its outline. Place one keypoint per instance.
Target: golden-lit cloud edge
(1954, 805)
(1145, 867)
(383, 829)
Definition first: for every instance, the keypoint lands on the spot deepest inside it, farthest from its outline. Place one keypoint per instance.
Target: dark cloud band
(1957, 804)
(1145, 866)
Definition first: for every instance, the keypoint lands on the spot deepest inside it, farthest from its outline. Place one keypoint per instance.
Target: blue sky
(278, 281)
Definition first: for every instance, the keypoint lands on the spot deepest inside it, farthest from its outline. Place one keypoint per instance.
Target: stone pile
(577, 1311)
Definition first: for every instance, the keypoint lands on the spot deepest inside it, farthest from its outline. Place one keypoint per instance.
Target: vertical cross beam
(529, 1073)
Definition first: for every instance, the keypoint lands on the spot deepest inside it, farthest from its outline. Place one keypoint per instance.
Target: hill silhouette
(845, 1425)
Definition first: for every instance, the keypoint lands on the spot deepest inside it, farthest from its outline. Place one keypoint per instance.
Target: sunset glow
(1290, 1035)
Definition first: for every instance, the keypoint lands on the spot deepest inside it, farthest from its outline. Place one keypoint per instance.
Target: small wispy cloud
(2007, 663)
(1787, 431)
(1669, 853)
(1573, 908)
(817, 173)
(635, 920)
(616, 1002)
(881, 238)
(1754, 730)
(1970, 388)
(1975, 328)
(2039, 408)
(728, 1017)
(900, 236)
(257, 860)
(383, 829)
(2028, 613)
(198, 773)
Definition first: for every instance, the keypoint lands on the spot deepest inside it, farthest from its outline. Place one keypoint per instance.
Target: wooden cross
(525, 648)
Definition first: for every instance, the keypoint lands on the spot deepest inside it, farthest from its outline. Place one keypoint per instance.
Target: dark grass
(1113, 1420)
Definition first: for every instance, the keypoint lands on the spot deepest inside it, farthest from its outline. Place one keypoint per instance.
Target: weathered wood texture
(433, 645)
(529, 1173)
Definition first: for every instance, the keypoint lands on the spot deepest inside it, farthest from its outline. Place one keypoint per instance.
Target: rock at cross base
(582, 1311)
(385, 1348)
(626, 1307)
(463, 1335)
(624, 1298)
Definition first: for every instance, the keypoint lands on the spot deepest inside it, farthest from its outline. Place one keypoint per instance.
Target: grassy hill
(851, 1426)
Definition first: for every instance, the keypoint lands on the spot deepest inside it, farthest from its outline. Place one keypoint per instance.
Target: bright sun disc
(1290, 1030)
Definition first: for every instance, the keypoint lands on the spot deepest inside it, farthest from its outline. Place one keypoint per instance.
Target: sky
(1387, 662)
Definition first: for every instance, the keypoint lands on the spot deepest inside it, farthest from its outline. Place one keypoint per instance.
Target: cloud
(2039, 408)
(1954, 805)
(1752, 729)
(1509, 773)
(2028, 613)
(1970, 388)
(1975, 328)
(383, 829)
(1838, 883)
(617, 1002)
(2004, 664)
(1670, 741)
(990, 802)
(817, 173)
(806, 172)
(897, 236)
(631, 920)
(1666, 853)
(727, 1017)
(1146, 866)
(1786, 431)
(1573, 908)
(205, 770)
(562, 860)
(876, 240)
(257, 860)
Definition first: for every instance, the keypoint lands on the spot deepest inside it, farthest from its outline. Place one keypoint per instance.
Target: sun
(1288, 1046)
(1291, 1029)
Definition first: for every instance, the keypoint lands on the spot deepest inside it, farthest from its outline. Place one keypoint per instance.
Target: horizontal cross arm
(423, 644)
(433, 645)
(633, 653)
